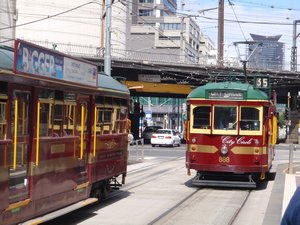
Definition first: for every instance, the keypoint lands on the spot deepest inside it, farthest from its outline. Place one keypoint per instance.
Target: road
(158, 191)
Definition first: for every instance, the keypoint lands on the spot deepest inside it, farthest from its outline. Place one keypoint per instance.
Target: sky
(280, 14)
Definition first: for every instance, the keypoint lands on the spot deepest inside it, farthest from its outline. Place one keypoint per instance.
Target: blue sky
(280, 13)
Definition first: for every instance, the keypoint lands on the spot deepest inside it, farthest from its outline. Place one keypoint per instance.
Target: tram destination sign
(228, 95)
(36, 60)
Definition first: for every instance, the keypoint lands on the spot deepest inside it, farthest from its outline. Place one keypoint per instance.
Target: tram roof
(104, 81)
(250, 92)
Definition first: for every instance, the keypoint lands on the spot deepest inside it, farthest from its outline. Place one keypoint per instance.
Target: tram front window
(201, 117)
(250, 118)
(225, 117)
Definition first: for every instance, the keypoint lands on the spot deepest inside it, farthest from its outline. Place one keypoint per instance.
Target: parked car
(165, 137)
(148, 131)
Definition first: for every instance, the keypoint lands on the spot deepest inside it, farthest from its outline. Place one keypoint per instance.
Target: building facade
(8, 18)
(158, 34)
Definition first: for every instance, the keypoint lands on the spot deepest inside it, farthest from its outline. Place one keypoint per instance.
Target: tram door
(18, 171)
(83, 133)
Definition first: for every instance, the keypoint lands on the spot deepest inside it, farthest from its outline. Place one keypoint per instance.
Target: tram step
(60, 212)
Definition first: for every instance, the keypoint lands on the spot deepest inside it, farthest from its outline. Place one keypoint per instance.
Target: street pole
(220, 32)
(182, 56)
(107, 54)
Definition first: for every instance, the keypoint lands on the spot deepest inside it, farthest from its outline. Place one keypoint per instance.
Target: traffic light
(286, 113)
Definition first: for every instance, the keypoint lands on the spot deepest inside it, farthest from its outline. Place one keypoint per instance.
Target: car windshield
(150, 129)
(163, 132)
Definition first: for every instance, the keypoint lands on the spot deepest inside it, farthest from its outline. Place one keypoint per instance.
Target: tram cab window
(250, 118)
(201, 117)
(225, 117)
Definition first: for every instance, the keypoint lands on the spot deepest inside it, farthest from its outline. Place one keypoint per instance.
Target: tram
(231, 132)
(63, 136)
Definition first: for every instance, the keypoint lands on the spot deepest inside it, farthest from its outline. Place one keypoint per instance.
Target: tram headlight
(224, 150)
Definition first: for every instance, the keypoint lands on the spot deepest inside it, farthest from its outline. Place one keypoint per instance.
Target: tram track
(235, 216)
(157, 174)
(184, 207)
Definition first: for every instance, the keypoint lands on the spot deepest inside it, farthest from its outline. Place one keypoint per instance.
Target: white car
(165, 137)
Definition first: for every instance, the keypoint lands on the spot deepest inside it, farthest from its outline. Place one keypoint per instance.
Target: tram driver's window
(250, 118)
(201, 115)
(225, 117)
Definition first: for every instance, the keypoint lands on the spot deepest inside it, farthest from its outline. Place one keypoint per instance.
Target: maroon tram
(63, 136)
(231, 131)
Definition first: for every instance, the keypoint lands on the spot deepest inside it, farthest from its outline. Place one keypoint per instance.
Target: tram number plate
(224, 159)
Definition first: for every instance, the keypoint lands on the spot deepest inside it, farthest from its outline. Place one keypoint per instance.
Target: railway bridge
(150, 78)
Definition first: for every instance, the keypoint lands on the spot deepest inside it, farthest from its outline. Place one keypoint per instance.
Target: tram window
(57, 120)
(249, 118)
(2, 119)
(120, 122)
(201, 115)
(116, 120)
(104, 117)
(225, 117)
(68, 122)
(44, 119)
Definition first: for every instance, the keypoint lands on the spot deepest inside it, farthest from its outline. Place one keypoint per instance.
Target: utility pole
(107, 54)
(220, 32)
(102, 24)
(294, 47)
(182, 52)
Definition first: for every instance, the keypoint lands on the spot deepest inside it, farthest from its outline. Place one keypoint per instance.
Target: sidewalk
(284, 187)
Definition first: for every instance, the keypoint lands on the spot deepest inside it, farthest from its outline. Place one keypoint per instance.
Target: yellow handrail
(37, 134)
(82, 130)
(95, 130)
(15, 133)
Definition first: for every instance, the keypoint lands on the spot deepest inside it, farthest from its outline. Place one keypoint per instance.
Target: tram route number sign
(262, 82)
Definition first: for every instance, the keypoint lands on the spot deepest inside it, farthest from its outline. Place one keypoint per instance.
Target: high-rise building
(268, 53)
(157, 33)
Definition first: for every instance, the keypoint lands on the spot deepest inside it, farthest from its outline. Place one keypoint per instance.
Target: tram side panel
(111, 157)
(4, 201)
(59, 170)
